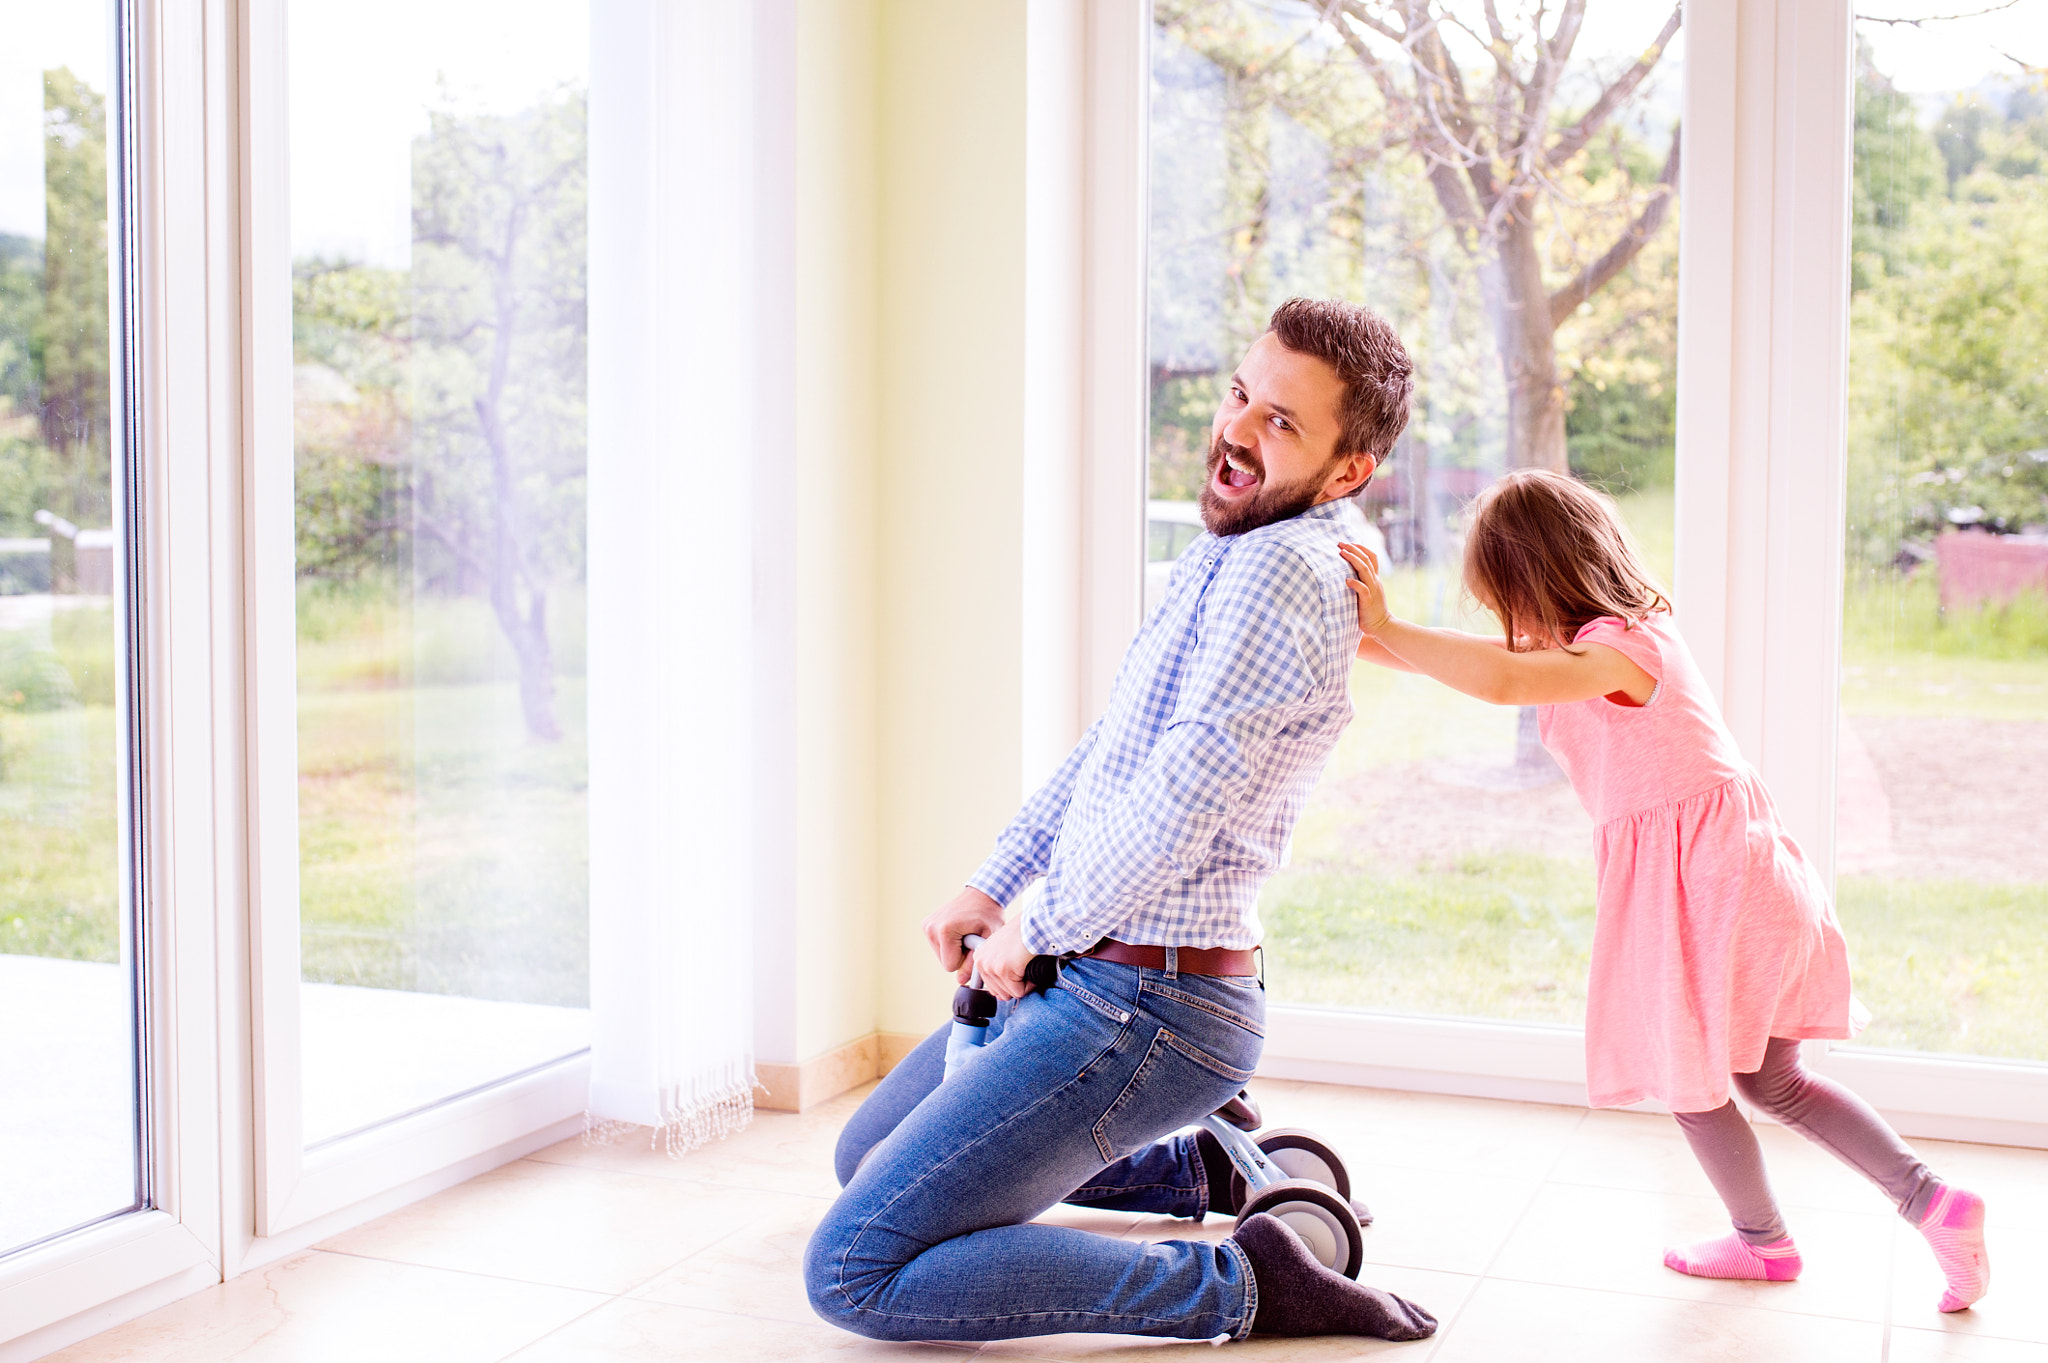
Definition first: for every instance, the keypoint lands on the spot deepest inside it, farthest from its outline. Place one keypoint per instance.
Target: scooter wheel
(1299, 1154)
(1319, 1216)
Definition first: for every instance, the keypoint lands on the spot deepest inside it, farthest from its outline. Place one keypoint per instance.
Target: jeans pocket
(1119, 1016)
(1176, 1083)
(1246, 1009)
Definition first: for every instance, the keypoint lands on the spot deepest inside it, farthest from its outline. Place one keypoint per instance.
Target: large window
(439, 175)
(69, 1119)
(1442, 865)
(1942, 871)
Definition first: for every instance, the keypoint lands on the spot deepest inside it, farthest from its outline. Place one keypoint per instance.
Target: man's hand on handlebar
(1003, 959)
(968, 911)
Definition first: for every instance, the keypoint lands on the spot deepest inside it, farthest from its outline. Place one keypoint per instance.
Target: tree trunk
(1528, 355)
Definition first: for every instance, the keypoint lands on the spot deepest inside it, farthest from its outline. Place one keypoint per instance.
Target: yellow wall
(951, 441)
(909, 382)
(836, 409)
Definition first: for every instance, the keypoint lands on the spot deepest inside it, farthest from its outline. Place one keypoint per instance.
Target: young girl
(1715, 951)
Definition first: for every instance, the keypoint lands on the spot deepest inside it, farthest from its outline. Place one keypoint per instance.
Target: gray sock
(1298, 1296)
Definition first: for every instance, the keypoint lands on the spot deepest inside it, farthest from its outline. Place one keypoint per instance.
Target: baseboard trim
(895, 1045)
(804, 1085)
(794, 1088)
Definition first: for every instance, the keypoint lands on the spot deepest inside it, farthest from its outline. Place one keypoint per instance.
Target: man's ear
(1353, 472)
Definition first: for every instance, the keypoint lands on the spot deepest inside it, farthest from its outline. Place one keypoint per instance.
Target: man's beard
(1269, 504)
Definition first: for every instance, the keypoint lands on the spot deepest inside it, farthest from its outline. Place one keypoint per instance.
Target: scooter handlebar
(1043, 972)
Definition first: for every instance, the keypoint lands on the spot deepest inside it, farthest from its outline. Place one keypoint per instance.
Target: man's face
(1272, 447)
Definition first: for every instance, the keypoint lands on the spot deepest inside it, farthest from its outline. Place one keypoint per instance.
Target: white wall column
(1763, 344)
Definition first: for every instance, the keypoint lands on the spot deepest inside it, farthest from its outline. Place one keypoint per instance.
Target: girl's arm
(1484, 669)
(1373, 651)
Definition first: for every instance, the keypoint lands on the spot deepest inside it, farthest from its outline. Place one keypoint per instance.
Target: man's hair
(1355, 341)
(1550, 555)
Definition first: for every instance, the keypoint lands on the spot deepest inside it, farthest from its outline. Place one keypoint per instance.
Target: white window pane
(1941, 868)
(1442, 866)
(67, 1089)
(438, 244)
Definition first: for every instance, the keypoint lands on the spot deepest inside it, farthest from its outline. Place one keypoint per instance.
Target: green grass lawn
(1500, 936)
(439, 851)
(1956, 966)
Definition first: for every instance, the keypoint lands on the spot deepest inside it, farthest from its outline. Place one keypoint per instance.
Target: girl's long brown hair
(1550, 555)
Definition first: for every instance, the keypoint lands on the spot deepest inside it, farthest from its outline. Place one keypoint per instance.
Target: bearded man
(1153, 839)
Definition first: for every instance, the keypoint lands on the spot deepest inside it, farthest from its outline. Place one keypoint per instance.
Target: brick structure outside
(1977, 566)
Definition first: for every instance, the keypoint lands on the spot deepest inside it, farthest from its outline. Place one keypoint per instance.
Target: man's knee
(837, 1288)
(824, 1276)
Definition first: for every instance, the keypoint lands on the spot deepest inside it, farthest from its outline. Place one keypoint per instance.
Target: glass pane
(67, 1087)
(1941, 867)
(438, 194)
(1442, 865)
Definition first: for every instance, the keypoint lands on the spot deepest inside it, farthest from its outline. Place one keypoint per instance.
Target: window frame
(298, 1190)
(1762, 381)
(68, 1287)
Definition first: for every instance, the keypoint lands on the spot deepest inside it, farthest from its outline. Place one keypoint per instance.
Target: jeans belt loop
(1173, 963)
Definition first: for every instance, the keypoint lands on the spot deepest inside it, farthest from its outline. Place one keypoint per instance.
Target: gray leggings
(1822, 1111)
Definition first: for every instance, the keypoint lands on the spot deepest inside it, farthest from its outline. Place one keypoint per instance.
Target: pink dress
(1714, 933)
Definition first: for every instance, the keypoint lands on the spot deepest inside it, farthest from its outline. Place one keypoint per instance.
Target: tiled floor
(1534, 1233)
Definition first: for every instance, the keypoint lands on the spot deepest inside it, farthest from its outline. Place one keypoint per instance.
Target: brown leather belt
(1189, 960)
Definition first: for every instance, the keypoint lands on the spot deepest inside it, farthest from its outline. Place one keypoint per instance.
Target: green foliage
(1948, 405)
(499, 289)
(21, 306)
(1948, 370)
(1896, 166)
(31, 678)
(1886, 613)
(1623, 436)
(69, 341)
(1281, 166)
(1183, 407)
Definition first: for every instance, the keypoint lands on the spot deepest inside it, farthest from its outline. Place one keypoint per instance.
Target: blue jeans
(929, 1238)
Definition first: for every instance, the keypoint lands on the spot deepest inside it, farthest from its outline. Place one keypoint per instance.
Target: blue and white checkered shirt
(1178, 803)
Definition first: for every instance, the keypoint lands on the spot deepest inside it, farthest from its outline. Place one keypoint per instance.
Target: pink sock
(1954, 1227)
(1731, 1256)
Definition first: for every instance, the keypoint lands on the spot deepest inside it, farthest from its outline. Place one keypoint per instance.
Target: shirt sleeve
(1024, 849)
(1633, 642)
(1258, 660)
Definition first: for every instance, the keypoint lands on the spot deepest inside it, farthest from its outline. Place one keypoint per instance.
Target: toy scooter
(1286, 1173)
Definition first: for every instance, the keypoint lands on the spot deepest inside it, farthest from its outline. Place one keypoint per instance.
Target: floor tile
(329, 1308)
(1936, 1346)
(755, 1271)
(586, 1228)
(2015, 1308)
(1510, 1322)
(1614, 1239)
(636, 1330)
(784, 1152)
(1423, 1219)
(1647, 1152)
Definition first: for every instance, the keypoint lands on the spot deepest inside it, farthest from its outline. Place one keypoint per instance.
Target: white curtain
(672, 658)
